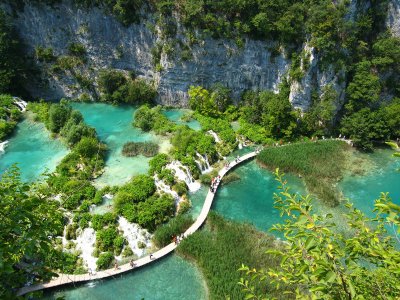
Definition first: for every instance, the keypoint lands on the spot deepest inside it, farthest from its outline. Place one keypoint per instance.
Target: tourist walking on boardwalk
(132, 263)
(151, 256)
(116, 265)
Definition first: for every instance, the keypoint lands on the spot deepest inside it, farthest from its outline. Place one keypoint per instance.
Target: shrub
(180, 187)
(139, 188)
(104, 261)
(157, 163)
(147, 149)
(127, 251)
(77, 49)
(70, 232)
(105, 238)
(119, 243)
(163, 235)
(141, 245)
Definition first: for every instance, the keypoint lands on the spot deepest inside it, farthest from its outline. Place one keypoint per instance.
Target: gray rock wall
(251, 67)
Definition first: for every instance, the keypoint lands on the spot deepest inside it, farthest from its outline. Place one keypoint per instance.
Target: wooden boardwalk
(63, 279)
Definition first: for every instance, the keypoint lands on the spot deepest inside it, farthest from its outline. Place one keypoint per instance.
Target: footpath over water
(63, 279)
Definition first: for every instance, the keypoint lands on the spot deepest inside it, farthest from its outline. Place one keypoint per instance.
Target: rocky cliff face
(393, 20)
(112, 45)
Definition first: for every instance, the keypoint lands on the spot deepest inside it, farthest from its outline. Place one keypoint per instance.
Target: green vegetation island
(199, 149)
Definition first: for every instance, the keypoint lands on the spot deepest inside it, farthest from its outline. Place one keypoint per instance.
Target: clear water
(383, 177)
(34, 151)
(169, 279)
(114, 127)
(251, 199)
(175, 115)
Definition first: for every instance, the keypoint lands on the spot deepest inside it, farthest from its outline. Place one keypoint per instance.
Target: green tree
(26, 233)
(321, 262)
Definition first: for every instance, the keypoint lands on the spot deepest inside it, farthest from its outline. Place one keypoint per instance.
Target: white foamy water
(215, 136)
(20, 103)
(183, 173)
(164, 188)
(133, 233)
(3, 146)
(203, 163)
(85, 242)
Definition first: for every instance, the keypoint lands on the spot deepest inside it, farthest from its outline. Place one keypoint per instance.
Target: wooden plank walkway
(63, 279)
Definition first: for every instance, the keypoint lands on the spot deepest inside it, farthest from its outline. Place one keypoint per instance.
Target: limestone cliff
(109, 44)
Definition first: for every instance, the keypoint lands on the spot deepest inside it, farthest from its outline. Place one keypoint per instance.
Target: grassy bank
(321, 164)
(221, 248)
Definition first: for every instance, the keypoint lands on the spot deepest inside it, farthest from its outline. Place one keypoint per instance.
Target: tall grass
(221, 248)
(320, 163)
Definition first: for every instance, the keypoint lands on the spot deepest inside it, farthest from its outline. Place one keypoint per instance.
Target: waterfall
(133, 233)
(86, 243)
(20, 103)
(203, 163)
(162, 187)
(215, 136)
(183, 173)
(3, 146)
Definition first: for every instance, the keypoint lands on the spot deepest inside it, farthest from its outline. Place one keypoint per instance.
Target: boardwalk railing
(63, 279)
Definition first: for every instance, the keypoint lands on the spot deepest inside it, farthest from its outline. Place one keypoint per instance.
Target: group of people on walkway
(178, 238)
(214, 183)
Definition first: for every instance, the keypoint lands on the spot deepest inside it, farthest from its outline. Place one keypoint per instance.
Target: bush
(141, 245)
(157, 163)
(105, 239)
(70, 232)
(119, 243)
(138, 189)
(147, 149)
(230, 178)
(180, 187)
(176, 226)
(77, 49)
(127, 251)
(104, 261)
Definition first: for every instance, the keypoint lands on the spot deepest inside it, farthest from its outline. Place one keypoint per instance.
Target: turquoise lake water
(33, 149)
(383, 177)
(169, 279)
(114, 127)
(175, 115)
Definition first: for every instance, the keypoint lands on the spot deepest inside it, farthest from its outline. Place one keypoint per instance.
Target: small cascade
(3, 146)
(203, 163)
(85, 242)
(183, 173)
(215, 136)
(20, 103)
(135, 234)
(162, 187)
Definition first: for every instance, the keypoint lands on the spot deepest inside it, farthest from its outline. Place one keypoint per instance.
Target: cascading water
(85, 242)
(20, 103)
(215, 136)
(135, 234)
(183, 173)
(203, 163)
(162, 187)
(3, 146)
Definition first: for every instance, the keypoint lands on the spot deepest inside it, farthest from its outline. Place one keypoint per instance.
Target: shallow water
(175, 115)
(169, 279)
(114, 127)
(34, 151)
(384, 177)
(251, 199)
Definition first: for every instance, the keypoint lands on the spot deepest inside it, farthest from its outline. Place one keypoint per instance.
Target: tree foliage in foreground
(325, 264)
(28, 223)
